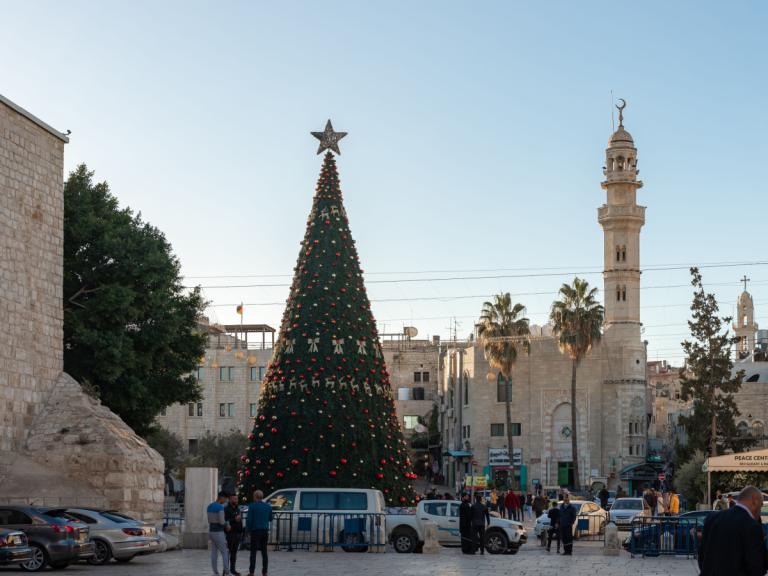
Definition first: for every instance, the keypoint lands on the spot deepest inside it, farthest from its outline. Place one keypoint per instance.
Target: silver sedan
(116, 535)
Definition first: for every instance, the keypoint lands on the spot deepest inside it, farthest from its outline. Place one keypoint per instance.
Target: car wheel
(38, 561)
(124, 560)
(352, 542)
(404, 541)
(59, 565)
(101, 553)
(496, 542)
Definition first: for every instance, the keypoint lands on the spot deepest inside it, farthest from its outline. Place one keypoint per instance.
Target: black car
(14, 548)
(55, 542)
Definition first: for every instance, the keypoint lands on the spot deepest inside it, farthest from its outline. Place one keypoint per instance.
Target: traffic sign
(662, 477)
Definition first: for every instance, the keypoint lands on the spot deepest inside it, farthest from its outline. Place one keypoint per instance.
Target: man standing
(567, 520)
(257, 524)
(538, 505)
(235, 534)
(480, 517)
(554, 527)
(603, 495)
(465, 525)
(217, 528)
(733, 541)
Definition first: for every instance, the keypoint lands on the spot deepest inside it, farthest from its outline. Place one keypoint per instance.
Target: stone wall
(31, 251)
(57, 445)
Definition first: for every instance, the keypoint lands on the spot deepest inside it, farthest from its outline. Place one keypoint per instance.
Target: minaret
(744, 324)
(621, 219)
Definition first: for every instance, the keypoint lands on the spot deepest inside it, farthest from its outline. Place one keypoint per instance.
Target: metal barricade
(590, 527)
(325, 531)
(173, 515)
(665, 536)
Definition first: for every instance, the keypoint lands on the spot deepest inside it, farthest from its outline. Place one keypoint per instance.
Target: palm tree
(503, 330)
(577, 319)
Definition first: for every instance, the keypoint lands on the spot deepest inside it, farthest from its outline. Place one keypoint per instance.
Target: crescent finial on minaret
(621, 107)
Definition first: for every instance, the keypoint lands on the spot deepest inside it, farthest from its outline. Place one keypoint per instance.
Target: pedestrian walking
(539, 504)
(509, 504)
(674, 503)
(733, 542)
(529, 506)
(480, 517)
(620, 492)
(217, 528)
(567, 520)
(494, 499)
(603, 496)
(554, 527)
(235, 535)
(465, 525)
(257, 524)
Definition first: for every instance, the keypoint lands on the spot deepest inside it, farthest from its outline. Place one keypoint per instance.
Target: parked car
(320, 504)
(686, 532)
(593, 520)
(406, 531)
(14, 548)
(55, 542)
(624, 510)
(114, 535)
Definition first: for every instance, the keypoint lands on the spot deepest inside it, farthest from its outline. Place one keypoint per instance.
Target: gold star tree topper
(329, 140)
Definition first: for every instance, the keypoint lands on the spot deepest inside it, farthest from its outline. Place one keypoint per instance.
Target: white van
(350, 517)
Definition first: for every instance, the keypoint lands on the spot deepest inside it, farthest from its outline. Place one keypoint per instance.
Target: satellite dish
(410, 331)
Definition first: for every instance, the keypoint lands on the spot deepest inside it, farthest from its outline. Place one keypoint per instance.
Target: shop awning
(459, 453)
(755, 461)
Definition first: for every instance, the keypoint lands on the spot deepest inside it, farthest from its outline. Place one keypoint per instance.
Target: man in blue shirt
(217, 527)
(257, 523)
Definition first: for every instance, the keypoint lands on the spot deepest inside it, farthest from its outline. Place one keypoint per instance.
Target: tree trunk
(574, 452)
(508, 407)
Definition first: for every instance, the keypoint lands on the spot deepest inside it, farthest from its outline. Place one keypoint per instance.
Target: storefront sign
(500, 456)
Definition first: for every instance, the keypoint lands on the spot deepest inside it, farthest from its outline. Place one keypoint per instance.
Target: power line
(492, 277)
(676, 265)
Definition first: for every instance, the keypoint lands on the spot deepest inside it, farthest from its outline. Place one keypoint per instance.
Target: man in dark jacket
(567, 520)
(235, 534)
(465, 525)
(480, 517)
(554, 527)
(733, 541)
(603, 495)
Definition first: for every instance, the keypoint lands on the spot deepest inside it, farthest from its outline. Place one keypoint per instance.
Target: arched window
(618, 293)
(744, 321)
(618, 253)
(624, 293)
(623, 253)
(742, 430)
(466, 388)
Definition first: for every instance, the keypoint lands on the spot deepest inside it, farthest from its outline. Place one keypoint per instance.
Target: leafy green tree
(577, 321)
(690, 481)
(707, 378)
(221, 451)
(129, 327)
(503, 331)
(326, 412)
(170, 447)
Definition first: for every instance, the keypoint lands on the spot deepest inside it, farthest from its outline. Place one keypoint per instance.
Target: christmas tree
(326, 413)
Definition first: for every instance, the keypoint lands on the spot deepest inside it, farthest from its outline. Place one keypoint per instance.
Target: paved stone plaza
(588, 561)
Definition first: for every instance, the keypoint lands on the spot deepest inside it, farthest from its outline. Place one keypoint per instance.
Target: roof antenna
(613, 127)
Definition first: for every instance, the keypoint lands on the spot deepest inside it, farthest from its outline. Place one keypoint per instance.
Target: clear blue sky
(476, 138)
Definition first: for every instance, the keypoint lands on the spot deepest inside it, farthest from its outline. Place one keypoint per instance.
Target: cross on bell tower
(621, 219)
(744, 326)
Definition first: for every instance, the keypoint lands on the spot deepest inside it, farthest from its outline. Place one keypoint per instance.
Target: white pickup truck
(406, 530)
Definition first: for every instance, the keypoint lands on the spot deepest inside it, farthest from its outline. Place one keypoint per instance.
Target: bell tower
(744, 323)
(621, 219)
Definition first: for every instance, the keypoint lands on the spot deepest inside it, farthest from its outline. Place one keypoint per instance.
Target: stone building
(611, 395)
(230, 375)
(414, 368)
(235, 364)
(667, 406)
(57, 445)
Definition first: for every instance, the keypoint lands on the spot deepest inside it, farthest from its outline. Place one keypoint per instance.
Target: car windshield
(627, 504)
